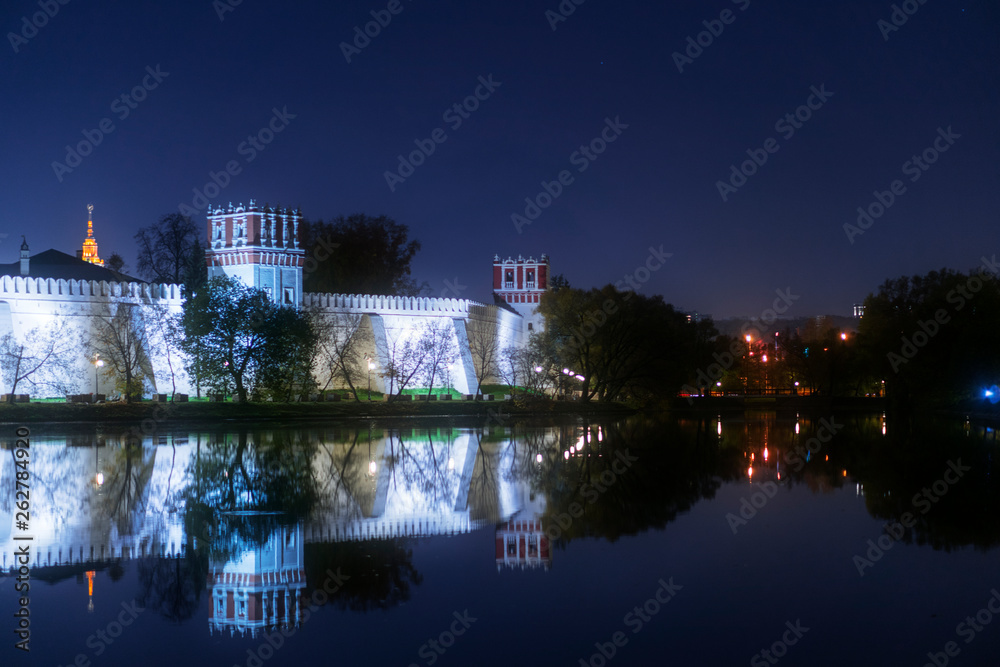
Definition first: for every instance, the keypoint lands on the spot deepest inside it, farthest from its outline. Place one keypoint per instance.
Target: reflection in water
(250, 521)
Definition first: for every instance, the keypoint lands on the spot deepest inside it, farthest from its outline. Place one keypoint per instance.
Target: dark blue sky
(656, 184)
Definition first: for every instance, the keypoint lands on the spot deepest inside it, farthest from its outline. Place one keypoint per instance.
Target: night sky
(224, 71)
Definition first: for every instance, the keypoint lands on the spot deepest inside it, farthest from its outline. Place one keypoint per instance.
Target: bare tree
(438, 341)
(165, 248)
(406, 358)
(485, 348)
(120, 340)
(529, 367)
(166, 334)
(44, 361)
(342, 339)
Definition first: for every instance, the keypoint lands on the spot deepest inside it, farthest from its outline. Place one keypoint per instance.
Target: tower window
(531, 326)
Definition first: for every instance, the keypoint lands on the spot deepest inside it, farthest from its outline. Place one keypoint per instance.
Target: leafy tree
(238, 338)
(120, 340)
(933, 336)
(44, 361)
(165, 248)
(359, 254)
(289, 355)
(117, 264)
(223, 327)
(624, 345)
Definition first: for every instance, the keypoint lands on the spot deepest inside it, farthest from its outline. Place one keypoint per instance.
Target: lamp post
(371, 367)
(98, 364)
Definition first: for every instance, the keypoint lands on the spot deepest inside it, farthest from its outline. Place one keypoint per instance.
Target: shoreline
(490, 412)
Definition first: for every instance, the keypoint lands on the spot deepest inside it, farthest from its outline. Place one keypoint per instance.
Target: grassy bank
(27, 413)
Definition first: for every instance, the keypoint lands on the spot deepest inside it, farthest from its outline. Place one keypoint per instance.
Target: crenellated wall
(26, 303)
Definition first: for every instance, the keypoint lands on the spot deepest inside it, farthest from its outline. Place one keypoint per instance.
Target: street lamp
(371, 367)
(98, 364)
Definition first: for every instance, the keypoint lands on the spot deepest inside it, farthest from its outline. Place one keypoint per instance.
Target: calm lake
(754, 538)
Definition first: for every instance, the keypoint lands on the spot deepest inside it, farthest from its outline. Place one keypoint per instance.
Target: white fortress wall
(42, 302)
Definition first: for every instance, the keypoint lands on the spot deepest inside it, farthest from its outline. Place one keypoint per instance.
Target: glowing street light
(371, 367)
(98, 364)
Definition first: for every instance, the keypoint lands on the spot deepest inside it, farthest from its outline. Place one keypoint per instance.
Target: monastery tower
(521, 283)
(260, 246)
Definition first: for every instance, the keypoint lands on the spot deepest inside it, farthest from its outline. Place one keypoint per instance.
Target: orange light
(765, 453)
(90, 582)
(750, 472)
(748, 338)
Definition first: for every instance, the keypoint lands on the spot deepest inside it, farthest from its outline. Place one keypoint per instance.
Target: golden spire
(89, 251)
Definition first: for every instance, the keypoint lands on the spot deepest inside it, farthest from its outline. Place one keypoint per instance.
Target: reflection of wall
(261, 588)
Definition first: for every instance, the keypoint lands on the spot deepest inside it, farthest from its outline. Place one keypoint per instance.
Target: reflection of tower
(522, 543)
(260, 588)
(90, 590)
(521, 284)
(88, 252)
(259, 246)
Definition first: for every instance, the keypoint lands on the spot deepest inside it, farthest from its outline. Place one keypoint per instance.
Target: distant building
(859, 310)
(88, 252)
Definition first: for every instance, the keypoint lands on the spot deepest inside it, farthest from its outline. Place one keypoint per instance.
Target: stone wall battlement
(19, 286)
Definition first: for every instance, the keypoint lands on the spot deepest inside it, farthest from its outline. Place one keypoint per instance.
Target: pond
(753, 538)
